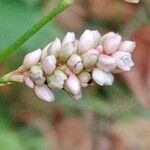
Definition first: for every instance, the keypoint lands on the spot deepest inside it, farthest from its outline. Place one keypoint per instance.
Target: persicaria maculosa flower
(73, 64)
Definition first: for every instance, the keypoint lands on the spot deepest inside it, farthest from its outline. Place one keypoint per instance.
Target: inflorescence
(72, 64)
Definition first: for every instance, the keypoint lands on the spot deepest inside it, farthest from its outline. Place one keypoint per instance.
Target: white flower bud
(89, 58)
(57, 79)
(106, 63)
(28, 82)
(44, 93)
(86, 42)
(132, 1)
(111, 44)
(36, 75)
(55, 47)
(66, 51)
(74, 62)
(73, 85)
(84, 78)
(45, 51)
(123, 60)
(97, 37)
(102, 78)
(49, 64)
(127, 46)
(69, 38)
(32, 58)
(106, 36)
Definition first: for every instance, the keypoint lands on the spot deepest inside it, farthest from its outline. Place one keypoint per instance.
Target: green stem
(27, 35)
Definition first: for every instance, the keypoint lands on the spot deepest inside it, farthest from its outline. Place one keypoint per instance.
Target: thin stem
(28, 34)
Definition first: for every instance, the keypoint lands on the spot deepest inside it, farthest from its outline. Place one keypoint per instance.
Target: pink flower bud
(127, 46)
(28, 82)
(111, 44)
(123, 60)
(102, 78)
(106, 63)
(49, 64)
(55, 47)
(44, 93)
(73, 85)
(106, 36)
(69, 38)
(32, 58)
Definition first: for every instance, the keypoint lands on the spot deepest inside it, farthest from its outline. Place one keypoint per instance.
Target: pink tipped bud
(44, 93)
(28, 82)
(123, 60)
(111, 44)
(73, 85)
(55, 47)
(102, 78)
(32, 58)
(49, 64)
(127, 46)
(69, 38)
(106, 63)
(106, 36)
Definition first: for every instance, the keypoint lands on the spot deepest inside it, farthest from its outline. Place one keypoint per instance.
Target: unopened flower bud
(36, 75)
(97, 37)
(49, 64)
(69, 38)
(127, 46)
(32, 58)
(86, 42)
(106, 63)
(111, 44)
(89, 58)
(73, 85)
(106, 36)
(55, 47)
(66, 52)
(57, 79)
(123, 60)
(102, 78)
(45, 51)
(84, 78)
(74, 62)
(28, 82)
(132, 1)
(44, 93)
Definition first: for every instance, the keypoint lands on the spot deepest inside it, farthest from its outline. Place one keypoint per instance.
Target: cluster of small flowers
(72, 64)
